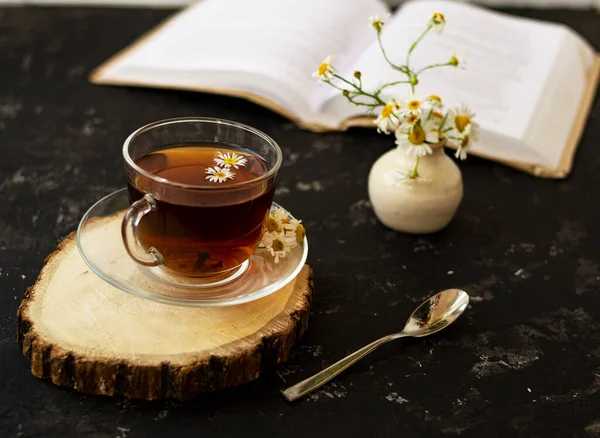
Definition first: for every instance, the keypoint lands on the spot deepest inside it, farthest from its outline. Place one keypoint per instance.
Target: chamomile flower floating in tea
(282, 234)
(219, 174)
(420, 125)
(230, 159)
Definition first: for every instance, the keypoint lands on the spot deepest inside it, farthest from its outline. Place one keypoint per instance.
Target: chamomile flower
(464, 131)
(462, 122)
(272, 225)
(437, 114)
(279, 244)
(458, 61)
(388, 118)
(434, 101)
(278, 249)
(377, 22)
(412, 106)
(291, 228)
(438, 22)
(325, 71)
(416, 139)
(290, 225)
(279, 215)
(412, 119)
(465, 142)
(230, 159)
(219, 174)
(300, 233)
(463, 147)
(282, 234)
(272, 242)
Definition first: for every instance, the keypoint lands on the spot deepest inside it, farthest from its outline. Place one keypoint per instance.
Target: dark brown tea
(200, 231)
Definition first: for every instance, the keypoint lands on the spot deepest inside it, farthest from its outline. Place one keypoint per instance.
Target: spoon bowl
(433, 315)
(437, 313)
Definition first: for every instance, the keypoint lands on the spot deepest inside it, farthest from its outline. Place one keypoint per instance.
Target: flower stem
(443, 122)
(429, 67)
(414, 173)
(414, 45)
(360, 92)
(341, 78)
(334, 86)
(400, 68)
(355, 102)
(391, 84)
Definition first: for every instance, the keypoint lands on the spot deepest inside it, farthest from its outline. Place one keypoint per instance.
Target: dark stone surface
(524, 361)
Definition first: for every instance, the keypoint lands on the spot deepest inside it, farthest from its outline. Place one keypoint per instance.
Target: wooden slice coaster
(79, 331)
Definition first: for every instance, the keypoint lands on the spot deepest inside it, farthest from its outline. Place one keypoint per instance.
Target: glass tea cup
(201, 190)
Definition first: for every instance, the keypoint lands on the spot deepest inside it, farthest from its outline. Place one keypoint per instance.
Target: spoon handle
(309, 385)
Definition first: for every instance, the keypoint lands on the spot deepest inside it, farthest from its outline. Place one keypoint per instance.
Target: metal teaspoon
(433, 315)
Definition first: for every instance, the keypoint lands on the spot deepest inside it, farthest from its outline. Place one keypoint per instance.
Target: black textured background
(524, 361)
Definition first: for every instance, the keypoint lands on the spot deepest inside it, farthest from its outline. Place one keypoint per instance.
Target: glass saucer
(101, 247)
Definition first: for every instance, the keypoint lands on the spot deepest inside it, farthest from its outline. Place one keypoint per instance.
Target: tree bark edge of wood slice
(150, 376)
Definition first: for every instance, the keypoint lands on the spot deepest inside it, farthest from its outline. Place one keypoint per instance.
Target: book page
(509, 63)
(280, 41)
(552, 128)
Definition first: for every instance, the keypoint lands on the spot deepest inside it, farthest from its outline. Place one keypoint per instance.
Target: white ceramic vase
(421, 206)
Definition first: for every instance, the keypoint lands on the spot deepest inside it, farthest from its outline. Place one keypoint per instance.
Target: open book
(531, 83)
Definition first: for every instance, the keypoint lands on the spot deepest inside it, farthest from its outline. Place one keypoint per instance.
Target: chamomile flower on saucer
(272, 225)
(279, 216)
(279, 244)
(416, 139)
(300, 233)
(282, 234)
(219, 174)
(388, 119)
(325, 70)
(437, 21)
(292, 228)
(230, 159)
(278, 249)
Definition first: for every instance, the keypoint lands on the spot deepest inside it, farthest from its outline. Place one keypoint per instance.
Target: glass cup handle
(129, 226)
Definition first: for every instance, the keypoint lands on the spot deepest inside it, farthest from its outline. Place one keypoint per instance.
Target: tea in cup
(201, 190)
